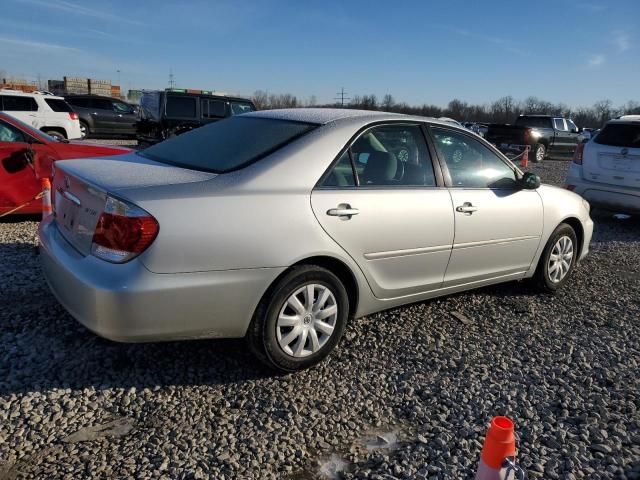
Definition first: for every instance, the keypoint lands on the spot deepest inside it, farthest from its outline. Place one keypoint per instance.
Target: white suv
(606, 170)
(43, 111)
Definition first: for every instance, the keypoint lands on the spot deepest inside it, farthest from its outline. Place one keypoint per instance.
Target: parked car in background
(104, 116)
(27, 155)
(545, 135)
(606, 170)
(165, 114)
(281, 225)
(44, 112)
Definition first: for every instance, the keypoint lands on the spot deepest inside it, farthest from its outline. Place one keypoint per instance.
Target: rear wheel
(300, 320)
(55, 134)
(539, 152)
(558, 259)
(84, 129)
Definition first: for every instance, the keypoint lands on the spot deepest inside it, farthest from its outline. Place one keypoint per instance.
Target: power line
(341, 97)
(172, 82)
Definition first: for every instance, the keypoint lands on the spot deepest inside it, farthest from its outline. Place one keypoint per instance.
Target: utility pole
(172, 82)
(341, 97)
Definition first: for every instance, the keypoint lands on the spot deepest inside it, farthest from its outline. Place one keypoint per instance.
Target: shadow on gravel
(42, 347)
(608, 227)
(20, 218)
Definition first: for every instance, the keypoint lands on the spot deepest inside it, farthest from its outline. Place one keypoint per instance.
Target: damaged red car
(26, 156)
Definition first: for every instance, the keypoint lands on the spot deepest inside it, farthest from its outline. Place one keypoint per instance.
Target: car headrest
(381, 168)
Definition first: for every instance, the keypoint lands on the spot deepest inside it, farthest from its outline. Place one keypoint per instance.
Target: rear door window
(79, 102)
(620, 135)
(58, 105)
(181, 107)
(534, 122)
(213, 108)
(101, 104)
(14, 103)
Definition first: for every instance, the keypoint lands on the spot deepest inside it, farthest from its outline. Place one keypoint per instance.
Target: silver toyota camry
(280, 226)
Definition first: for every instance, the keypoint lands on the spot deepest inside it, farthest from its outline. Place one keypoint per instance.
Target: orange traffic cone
(47, 209)
(525, 158)
(497, 461)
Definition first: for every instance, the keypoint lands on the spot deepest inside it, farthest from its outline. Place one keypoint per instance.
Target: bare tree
(387, 102)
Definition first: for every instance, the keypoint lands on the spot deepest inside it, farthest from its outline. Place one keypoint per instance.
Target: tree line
(503, 110)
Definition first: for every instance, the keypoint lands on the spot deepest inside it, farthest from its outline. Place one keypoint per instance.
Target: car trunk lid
(80, 189)
(613, 157)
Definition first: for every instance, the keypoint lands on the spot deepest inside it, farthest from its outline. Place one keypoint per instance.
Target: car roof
(632, 119)
(221, 96)
(19, 93)
(323, 116)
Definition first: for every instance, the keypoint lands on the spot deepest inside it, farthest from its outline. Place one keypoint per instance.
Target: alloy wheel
(560, 259)
(307, 320)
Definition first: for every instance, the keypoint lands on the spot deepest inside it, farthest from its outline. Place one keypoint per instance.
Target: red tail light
(577, 155)
(73, 115)
(123, 232)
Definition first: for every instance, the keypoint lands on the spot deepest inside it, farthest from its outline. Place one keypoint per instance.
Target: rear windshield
(534, 122)
(228, 144)
(58, 105)
(620, 135)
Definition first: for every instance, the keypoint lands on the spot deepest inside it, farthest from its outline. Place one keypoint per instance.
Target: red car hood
(82, 149)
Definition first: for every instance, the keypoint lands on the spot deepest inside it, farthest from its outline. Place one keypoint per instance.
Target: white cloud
(73, 8)
(622, 41)
(38, 46)
(596, 60)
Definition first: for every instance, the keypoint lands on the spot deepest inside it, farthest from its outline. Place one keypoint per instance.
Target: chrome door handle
(343, 210)
(467, 208)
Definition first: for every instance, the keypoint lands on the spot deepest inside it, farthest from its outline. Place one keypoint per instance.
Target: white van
(43, 111)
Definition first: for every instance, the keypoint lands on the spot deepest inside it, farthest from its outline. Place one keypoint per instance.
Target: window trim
(437, 172)
(445, 169)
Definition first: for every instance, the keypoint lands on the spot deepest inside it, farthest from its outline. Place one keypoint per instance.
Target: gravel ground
(408, 394)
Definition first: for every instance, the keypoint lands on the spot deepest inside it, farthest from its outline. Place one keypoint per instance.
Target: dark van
(165, 114)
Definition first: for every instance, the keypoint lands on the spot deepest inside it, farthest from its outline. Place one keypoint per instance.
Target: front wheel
(539, 152)
(300, 320)
(558, 259)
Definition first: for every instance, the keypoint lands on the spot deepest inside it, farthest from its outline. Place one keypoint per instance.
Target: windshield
(620, 135)
(30, 130)
(227, 144)
(238, 108)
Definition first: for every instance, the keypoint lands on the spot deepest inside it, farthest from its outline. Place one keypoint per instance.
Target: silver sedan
(280, 226)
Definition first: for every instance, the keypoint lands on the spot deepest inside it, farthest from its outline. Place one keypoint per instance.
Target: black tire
(85, 131)
(262, 333)
(542, 277)
(55, 134)
(539, 153)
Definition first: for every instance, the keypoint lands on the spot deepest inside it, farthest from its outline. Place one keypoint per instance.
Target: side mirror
(529, 181)
(576, 130)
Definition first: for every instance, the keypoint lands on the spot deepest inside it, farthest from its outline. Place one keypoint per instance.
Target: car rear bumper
(602, 195)
(73, 130)
(128, 303)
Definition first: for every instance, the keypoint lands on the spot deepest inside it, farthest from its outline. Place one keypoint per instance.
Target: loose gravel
(408, 394)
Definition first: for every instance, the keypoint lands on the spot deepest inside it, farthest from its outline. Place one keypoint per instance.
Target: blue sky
(571, 51)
